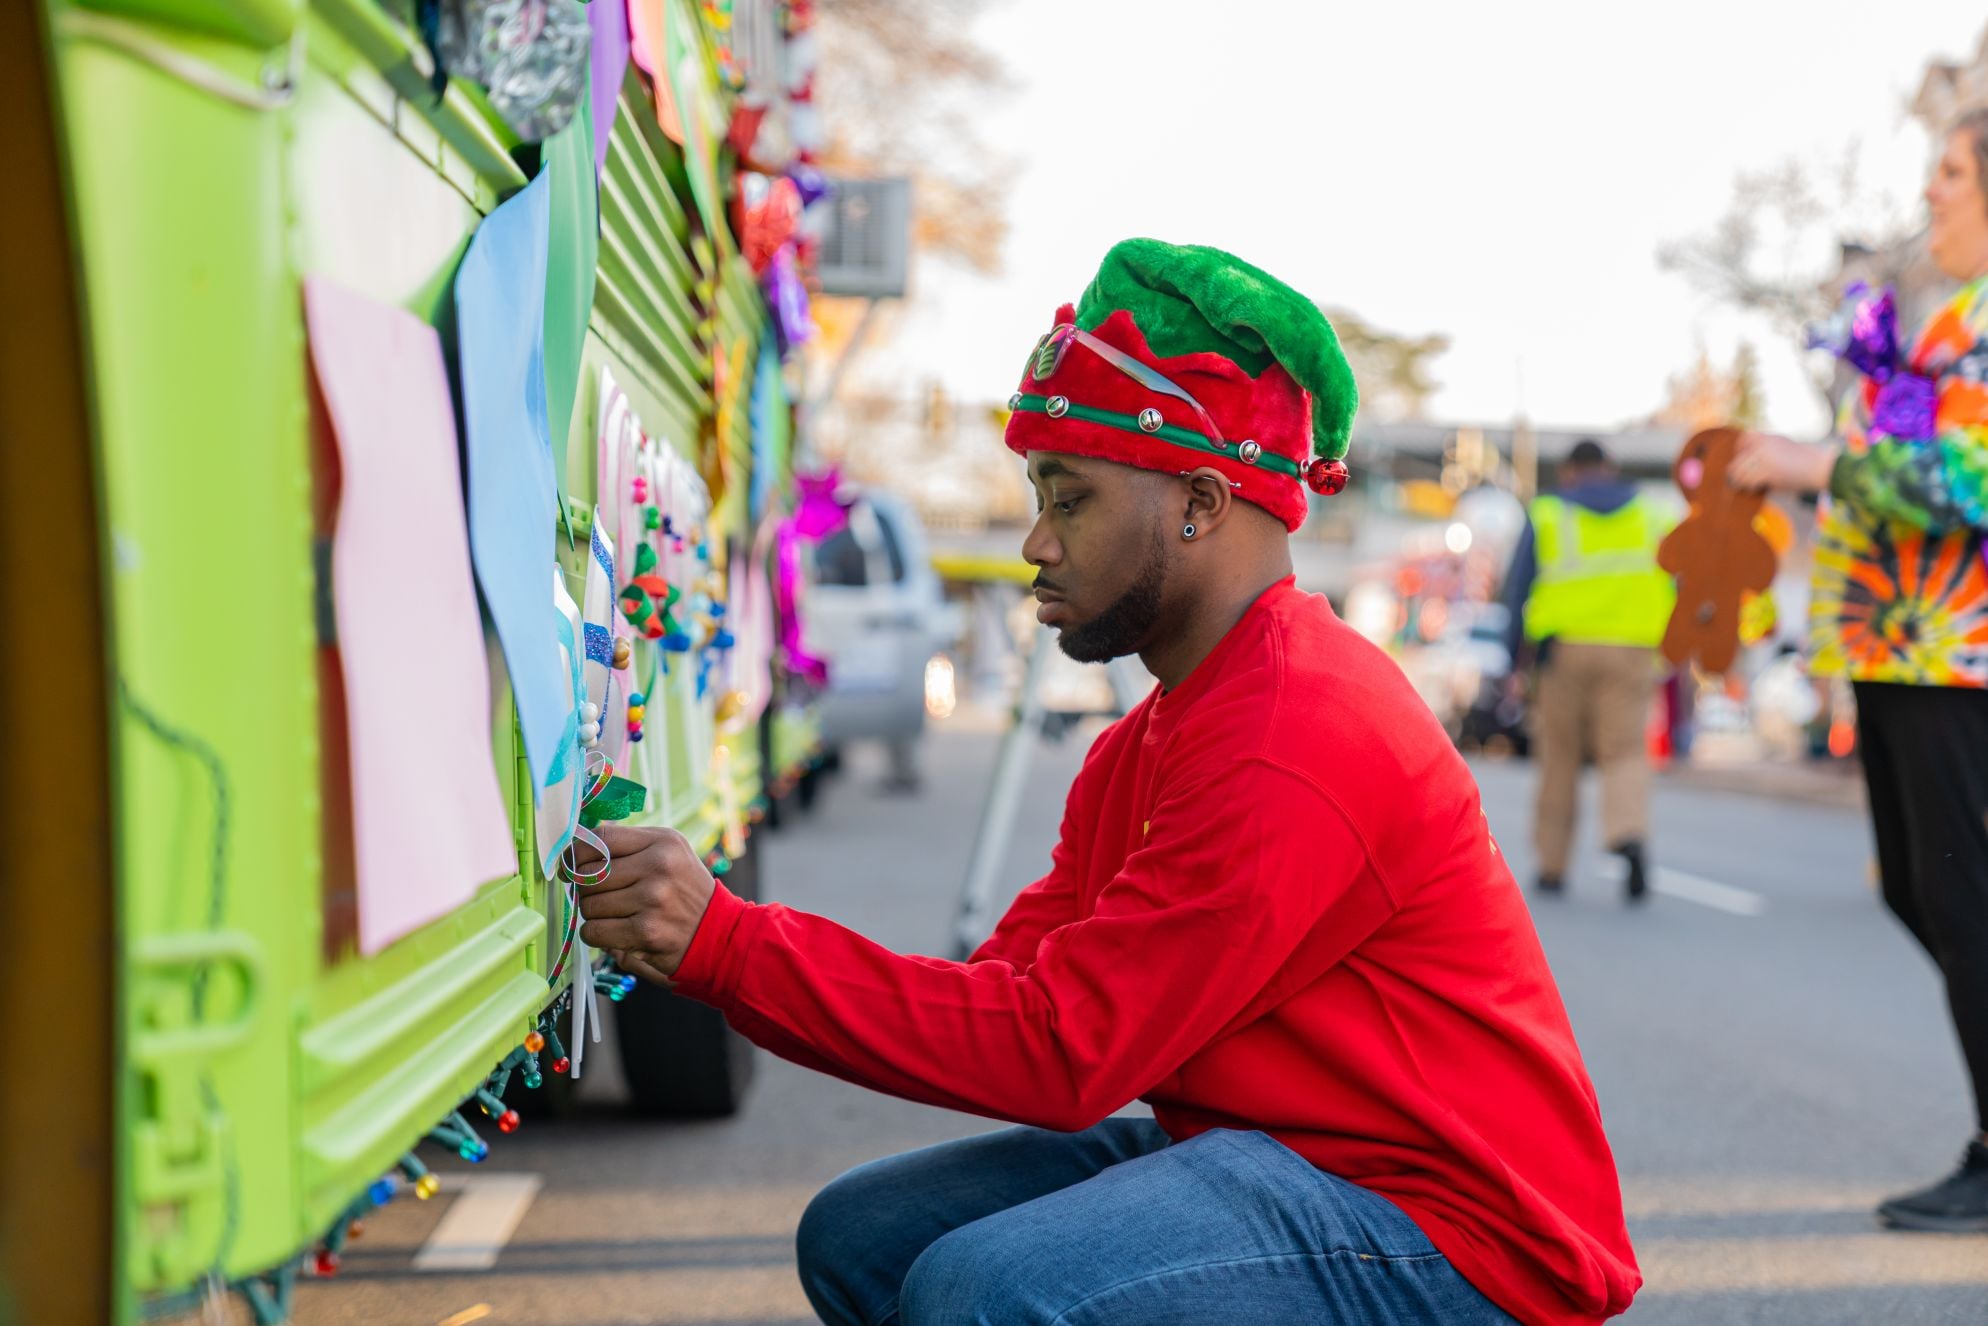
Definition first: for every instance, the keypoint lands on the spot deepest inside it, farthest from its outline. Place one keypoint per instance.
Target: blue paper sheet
(513, 499)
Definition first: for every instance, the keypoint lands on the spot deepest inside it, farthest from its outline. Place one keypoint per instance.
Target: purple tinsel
(789, 298)
(813, 185)
(1866, 338)
(1906, 406)
(1873, 344)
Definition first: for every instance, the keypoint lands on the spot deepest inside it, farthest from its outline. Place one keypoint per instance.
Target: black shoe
(1552, 884)
(1637, 885)
(1957, 1204)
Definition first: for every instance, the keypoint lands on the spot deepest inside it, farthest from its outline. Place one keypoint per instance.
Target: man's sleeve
(1518, 588)
(1046, 904)
(1241, 865)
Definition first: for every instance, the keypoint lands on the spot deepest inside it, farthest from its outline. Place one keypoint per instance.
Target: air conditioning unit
(866, 238)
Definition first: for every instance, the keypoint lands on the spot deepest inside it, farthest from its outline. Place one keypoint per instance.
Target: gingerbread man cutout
(1715, 553)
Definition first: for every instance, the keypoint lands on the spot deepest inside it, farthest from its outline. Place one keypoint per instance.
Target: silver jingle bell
(1150, 420)
(1249, 451)
(1058, 407)
(1015, 401)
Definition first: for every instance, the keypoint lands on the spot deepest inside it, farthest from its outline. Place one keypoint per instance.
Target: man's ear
(1210, 500)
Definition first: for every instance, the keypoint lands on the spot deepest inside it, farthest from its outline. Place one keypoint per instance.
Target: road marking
(466, 1316)
(479, 1223)
(1705, 892)
(1708, 892)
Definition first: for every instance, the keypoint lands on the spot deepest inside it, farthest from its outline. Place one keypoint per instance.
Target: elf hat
(1180, 356)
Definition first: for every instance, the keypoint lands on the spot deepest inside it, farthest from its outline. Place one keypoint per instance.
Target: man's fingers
(628, 839)
(607, 904)
(642, 965)
(615, 932)
(632, 857)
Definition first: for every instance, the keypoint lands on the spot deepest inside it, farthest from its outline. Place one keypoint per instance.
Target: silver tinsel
(530, 54)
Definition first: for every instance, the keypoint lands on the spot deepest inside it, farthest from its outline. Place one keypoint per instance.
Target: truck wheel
(679, 1058)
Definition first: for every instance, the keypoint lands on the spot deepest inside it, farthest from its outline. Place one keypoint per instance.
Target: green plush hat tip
(1189, 299)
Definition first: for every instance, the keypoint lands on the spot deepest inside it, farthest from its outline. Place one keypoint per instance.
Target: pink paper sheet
(428, 817)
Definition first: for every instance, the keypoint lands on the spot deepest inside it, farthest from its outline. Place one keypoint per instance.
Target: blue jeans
(1115, 1226)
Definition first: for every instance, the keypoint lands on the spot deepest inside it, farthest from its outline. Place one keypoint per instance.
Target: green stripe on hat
(1180, 437)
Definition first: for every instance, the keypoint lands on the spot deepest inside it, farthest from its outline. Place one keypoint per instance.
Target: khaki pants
(1591, 704)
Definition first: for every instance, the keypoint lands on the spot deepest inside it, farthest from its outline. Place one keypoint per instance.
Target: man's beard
(1121, 628)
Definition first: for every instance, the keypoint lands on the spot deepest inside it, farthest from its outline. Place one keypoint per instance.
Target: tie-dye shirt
(1900, 586)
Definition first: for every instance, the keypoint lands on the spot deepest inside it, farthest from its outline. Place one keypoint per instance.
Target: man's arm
(1241, 867)
(1049, 902)
(1517, 589)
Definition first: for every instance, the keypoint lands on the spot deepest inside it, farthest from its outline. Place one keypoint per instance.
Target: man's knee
(958, 1282)
(833, 1246)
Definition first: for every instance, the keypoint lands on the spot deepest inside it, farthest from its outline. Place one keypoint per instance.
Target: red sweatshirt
(1276, 905)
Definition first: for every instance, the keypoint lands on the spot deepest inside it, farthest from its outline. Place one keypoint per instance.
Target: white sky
(1503, 173)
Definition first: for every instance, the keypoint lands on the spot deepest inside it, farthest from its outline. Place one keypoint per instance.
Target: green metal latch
(193, 997)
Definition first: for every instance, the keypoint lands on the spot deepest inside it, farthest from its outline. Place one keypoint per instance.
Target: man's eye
(1068, 505)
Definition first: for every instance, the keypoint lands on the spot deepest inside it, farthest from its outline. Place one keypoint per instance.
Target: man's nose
(1040, 548)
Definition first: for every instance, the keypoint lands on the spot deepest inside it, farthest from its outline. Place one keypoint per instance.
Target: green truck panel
(219, 151)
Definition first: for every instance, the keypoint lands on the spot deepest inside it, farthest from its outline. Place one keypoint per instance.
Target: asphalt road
(1770, 1052)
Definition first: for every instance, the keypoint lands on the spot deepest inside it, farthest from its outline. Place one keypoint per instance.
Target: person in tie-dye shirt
(1900, 606)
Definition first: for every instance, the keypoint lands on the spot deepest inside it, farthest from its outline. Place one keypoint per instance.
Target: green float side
(217, 152)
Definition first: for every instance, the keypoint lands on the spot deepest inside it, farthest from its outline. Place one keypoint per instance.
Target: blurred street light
(941, 692)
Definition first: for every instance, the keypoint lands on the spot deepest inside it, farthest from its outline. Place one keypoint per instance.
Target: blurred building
(1458, 457)
(943, 456)
(1947, 90)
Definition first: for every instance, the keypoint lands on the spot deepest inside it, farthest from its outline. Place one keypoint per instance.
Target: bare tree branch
(1778, 244)
(901, 84)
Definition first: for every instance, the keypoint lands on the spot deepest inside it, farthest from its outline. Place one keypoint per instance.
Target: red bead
(561, 1065)
(1326, 476)
(507, 1122)
(326, 1263)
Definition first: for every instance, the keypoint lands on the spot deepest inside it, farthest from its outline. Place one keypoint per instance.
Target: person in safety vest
(1275, 913)
(1587, 594)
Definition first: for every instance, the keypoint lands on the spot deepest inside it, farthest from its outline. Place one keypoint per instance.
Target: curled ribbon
(600, 772)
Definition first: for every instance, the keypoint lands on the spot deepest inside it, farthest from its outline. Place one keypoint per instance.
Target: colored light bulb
(326, 1262)
(562, 1065)
(381, 1192)
(507, 1122)
(534, 1042)
(533, 1081)
(427, 1186)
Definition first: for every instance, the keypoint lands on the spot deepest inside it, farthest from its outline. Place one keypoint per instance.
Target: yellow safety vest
(1598, 581)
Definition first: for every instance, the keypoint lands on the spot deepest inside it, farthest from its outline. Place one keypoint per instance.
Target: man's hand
(648, 908)
(1767, 460)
